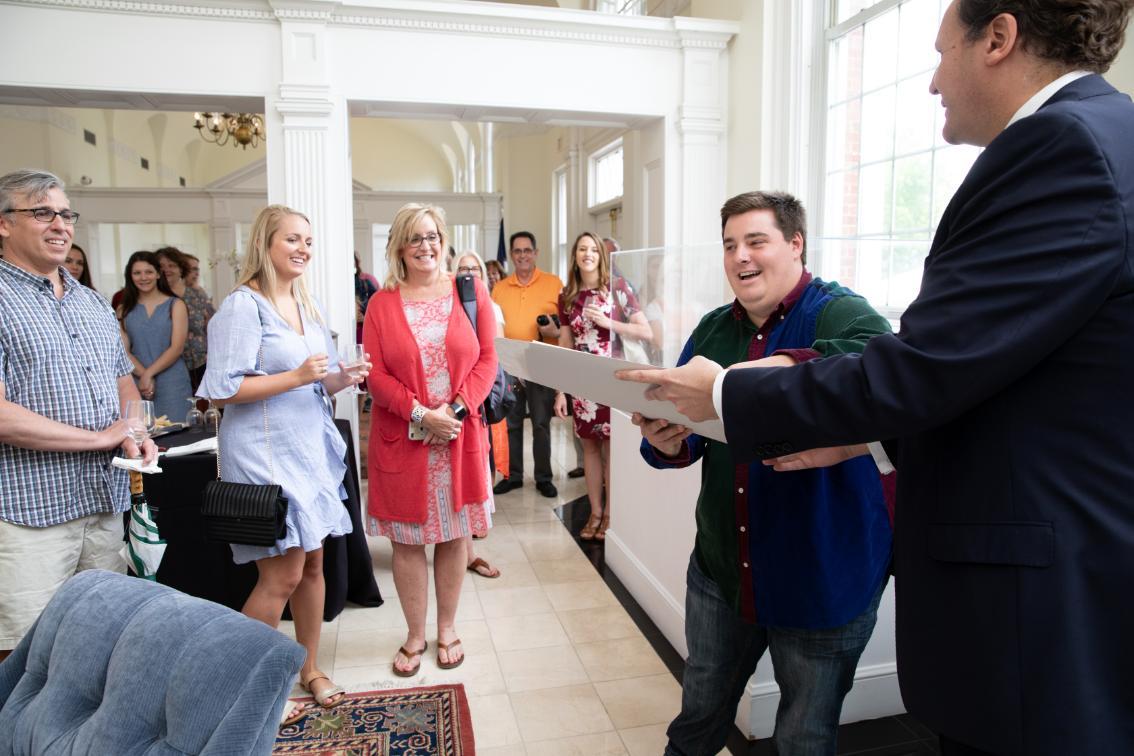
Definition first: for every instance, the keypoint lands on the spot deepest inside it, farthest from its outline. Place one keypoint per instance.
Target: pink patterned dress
(429, 322)
(592, 420)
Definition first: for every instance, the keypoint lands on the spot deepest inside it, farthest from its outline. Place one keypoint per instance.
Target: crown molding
(232, 12)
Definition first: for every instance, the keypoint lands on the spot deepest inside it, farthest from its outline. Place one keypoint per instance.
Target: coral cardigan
(396, 465)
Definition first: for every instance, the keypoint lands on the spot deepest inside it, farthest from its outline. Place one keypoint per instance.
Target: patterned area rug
(432, 721)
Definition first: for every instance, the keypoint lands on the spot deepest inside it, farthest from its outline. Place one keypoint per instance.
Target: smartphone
(417, 432)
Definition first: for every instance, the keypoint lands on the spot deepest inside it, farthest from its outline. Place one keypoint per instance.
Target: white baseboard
(875, 694)
(666, 611)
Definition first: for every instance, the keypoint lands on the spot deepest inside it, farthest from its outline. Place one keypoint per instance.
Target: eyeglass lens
(415, 241)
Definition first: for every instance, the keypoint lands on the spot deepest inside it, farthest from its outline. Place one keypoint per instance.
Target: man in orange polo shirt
(526, 297)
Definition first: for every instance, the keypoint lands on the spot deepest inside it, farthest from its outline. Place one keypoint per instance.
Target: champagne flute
(194, 418)
(140, 419)
(353, 358)
(212, 416)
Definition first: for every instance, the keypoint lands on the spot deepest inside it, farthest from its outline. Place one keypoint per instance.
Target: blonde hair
(257, 265)
(402, 230)
(479, 262)
(575, 277)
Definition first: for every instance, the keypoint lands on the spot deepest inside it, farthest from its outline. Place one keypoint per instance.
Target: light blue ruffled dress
(307, 452)
(150, 335)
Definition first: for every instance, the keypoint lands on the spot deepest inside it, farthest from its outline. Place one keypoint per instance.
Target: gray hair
(27, 183)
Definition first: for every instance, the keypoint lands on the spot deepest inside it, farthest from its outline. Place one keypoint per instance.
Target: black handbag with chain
(253, 514)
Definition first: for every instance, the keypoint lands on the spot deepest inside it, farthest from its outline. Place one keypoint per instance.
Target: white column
(222, 237)
(309, 161)
(490, 225)
(701, 124)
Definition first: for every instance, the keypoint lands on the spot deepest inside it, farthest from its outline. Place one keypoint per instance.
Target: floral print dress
(429, 322)
(592, 420)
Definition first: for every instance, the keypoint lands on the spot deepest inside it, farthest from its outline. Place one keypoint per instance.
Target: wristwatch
(460, 411)
(418, 413)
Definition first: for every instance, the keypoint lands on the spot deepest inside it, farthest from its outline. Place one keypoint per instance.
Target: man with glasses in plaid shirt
(64, 376)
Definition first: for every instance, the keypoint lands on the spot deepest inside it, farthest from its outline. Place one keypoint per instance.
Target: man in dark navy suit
(1006, 393)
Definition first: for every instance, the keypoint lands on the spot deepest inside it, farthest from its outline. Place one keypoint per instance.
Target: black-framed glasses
(468, 269)
(416, 241)
(47, 215)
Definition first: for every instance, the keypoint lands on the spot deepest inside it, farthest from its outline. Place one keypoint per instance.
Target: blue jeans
(814, 669)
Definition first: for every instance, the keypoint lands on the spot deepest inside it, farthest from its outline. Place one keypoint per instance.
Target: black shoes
(547, 488)
(506, 485)
(576, 473)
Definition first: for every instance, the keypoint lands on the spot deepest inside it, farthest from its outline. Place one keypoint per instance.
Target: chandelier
(243, 128)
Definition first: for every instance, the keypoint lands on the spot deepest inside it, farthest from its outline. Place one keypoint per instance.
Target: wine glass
(139, 415)
(212, 416)
(353, 358)
(194, 418)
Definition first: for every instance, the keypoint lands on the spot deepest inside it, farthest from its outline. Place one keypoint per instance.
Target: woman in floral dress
(428, 457)
(586, 307)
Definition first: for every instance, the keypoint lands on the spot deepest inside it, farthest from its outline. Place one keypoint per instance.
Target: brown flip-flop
(410, 655)
(445, 647)
(476, 564)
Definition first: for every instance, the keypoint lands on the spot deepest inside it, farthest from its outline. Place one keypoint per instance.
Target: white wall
(390, 155)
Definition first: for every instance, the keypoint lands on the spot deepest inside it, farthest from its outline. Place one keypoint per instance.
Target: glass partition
(673, 287)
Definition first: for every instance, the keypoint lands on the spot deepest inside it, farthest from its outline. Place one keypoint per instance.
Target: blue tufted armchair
(117, 666)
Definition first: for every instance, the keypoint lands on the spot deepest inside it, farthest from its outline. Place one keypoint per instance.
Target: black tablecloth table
(205, 568)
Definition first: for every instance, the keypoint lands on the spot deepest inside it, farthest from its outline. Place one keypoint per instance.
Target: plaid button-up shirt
(60, 358)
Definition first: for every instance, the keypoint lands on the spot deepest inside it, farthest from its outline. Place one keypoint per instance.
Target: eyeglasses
(47, 215)
(469, 269)
(415, 241)
(518, 252)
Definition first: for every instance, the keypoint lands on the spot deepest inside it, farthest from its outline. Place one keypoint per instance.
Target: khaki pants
(34, 562)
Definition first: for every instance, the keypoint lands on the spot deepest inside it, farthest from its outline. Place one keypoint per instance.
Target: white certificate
(590, 376)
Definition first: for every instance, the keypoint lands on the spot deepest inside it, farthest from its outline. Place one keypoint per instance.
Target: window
(621, 7)
(606, 174)
(887, 174)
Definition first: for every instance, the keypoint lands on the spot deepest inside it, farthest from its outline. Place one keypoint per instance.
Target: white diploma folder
(591, 376)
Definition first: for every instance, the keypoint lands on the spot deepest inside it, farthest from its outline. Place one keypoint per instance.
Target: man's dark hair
(528, 234)
(791, 218)
(1077, 34)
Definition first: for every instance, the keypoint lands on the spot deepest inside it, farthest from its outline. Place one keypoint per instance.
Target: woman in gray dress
(268, 365)
(154, 327)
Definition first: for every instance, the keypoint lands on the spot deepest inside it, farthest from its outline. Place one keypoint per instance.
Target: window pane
(878, 125)
(608, 176)
(844, 78)
(880, 51)
(918, 21)
(914, 118)
(949, 168)
(847, 8)
(874, 199)
(911, 194)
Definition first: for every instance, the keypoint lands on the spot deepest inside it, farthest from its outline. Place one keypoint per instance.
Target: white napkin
(135, 465)
(204, 445)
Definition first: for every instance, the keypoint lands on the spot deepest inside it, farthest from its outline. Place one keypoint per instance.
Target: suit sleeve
(1027, 251)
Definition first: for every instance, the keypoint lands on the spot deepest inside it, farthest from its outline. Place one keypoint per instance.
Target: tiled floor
(559, 657)
(554, 664)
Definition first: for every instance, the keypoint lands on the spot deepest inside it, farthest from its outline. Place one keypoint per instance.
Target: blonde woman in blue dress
(268, 348)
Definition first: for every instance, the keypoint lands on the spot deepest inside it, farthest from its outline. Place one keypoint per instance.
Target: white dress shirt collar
(1036, 101)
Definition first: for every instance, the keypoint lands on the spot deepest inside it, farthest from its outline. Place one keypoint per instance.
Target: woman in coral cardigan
(428, 455)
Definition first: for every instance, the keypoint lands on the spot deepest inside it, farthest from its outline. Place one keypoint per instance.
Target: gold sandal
(600, 534)
(590, 530)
